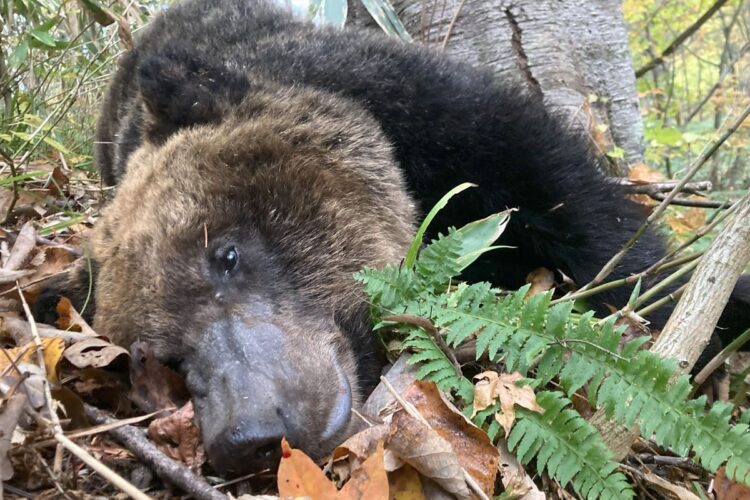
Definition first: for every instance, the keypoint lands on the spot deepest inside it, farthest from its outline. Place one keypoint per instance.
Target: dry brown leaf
(50, 260)
(361, 445)
(541, 279)
(516, 481)
(153, 385)
(69, 319)
(430, 454)
(52, 349)
(642, 173)
(178, 437)
(8, 421)
(368, 482)
(405, 484)
(472, 446)
(299, 476)
(93, 352)
(503, 388)
(726, 489)
(668, 489)
(24, 244)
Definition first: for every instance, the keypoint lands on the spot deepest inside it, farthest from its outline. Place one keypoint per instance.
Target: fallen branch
(638, 187)
(167, 469)
(687, 202)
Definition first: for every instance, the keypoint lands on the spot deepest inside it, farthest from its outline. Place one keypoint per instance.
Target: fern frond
(568, 448)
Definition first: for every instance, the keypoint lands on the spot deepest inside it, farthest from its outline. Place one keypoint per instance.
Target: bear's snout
(251, 386)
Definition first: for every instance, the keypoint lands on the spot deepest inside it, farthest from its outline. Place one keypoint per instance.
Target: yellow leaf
(52, 349)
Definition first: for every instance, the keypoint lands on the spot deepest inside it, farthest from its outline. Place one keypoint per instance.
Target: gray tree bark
(564, 50)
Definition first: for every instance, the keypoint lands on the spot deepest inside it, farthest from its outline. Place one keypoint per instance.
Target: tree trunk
(572, 53)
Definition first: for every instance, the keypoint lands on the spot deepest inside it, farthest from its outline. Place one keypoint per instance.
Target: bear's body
(262, 161)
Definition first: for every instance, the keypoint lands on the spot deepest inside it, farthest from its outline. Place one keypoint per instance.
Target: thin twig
(719, 359)
(687, 202)
(680, 39)
(452, 24)
(426, 325)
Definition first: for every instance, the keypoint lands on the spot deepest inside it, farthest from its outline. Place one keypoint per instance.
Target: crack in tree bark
(520, 54)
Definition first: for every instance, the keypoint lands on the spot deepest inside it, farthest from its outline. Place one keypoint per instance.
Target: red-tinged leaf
(299, 476)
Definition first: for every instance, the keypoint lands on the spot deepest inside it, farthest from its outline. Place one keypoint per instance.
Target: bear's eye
(228, 258)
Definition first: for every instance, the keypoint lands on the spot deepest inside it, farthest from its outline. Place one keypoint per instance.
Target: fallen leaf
(25, 243)
(404, 484)
(643, 174)
(671, 490)
(52, 349)
(153, 385)
(472, 446)
(361, 445)
(50, 260)
(299, 476)
(726, 489)
(430, 454)
(503, 388)
(8, 421)
(516, 481)
(178, 437)
(541, 279)
(93, 352)
(69, 319)
(686, 222)
(369, 481)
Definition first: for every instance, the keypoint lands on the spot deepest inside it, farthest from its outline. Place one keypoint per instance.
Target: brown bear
(260, 162)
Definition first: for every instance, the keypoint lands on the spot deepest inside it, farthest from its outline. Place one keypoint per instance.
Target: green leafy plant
(421, 300)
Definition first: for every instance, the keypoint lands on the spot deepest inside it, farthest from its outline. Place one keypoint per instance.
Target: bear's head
(230, 247)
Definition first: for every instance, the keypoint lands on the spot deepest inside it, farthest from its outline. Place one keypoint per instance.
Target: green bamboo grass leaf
(385, 15)
(411, 254)
(477, 237)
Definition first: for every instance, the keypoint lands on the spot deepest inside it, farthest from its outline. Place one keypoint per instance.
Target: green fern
(568, 448)
(546, 343)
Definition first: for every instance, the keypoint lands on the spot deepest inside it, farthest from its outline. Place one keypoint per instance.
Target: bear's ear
(180, 90)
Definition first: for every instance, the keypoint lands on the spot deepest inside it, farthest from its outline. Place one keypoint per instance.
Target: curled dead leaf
(502, 387)
(299, 476)
(153, 385)
(93, 352)
(178, 437)
(69, 319)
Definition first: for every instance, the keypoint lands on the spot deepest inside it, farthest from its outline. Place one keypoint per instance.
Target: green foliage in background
(688, 98)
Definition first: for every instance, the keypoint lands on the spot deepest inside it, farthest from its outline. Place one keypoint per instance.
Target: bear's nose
(247, 446)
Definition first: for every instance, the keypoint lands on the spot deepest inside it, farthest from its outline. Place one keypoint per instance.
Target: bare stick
(687, 202)
(166, 468)
(637, 187)
(719, 359)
